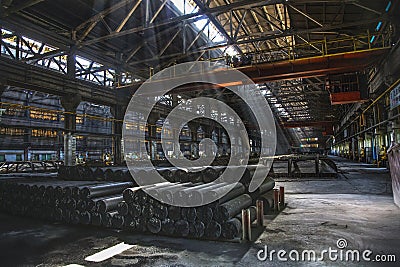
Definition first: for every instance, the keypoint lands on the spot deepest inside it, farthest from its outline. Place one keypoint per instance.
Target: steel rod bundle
(108, 204)
(103, 189)
(213, 221)
(265, 187)
(171, 174)
(268, 201)
(232, 207)
(65, 201)
(233, 227)
(86, 173)
(124, 205)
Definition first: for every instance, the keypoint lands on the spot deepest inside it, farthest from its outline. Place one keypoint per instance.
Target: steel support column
(207, 134)
(152, 133)
(70, 104)
(71, 64)
(118, 112)
(194, 142)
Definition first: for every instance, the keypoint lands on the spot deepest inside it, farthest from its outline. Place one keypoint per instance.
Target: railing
(343, 45)
(324, 47)
(29, 166)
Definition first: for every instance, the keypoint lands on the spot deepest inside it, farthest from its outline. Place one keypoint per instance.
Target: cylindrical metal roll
(167, 227)
(117, 221)
(123, 208)
(232, 207)
(104, 189)
(109, 203)
(84, 217)
(204, 214)
(237, 190)
(154, 225)
(196, 229)
(96, 218)
(213, 230)
(188, 214)
(181, 228)
(233, 227)
(174, 213)
(266, 186)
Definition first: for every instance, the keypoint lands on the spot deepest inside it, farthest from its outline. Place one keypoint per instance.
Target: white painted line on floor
(74, 265)
(109, 252)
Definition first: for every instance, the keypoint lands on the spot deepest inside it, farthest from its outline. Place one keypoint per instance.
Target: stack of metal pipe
(86, 173)
(124, 205)
(76, 202)
(141, 212)
(172, 174)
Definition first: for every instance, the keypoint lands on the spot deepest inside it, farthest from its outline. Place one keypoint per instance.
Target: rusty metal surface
(346, 98)
(394, 163)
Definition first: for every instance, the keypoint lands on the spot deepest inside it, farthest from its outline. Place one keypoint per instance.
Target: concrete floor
(358, 206)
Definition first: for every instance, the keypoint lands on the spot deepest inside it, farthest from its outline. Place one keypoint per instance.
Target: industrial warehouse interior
(199, 133)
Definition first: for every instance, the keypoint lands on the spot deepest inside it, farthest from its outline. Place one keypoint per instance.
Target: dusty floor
(357, 207)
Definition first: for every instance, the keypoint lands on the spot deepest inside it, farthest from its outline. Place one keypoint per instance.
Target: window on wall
(19, 157)
(311, 139)
(15, 112)
(167, 132)
(185, 131)
(79, 119)
(2, 158)
(11, 131)
(309, 145)
(44, 133)
(46, 157)
(142, 127)
(43, 115)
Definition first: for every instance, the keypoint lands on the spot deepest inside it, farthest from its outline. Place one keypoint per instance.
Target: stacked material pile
(124, 205)
(70, 202)
(85, 173)
(219, 219)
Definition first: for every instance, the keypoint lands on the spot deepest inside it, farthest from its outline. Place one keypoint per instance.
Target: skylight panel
(213, 34)
(185, 7)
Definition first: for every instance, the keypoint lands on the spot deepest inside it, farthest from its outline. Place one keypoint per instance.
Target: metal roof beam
(357, 3)
(20, 7)
(53, 53)
(197, 36)
(218, 25)
(285, 33)
(290, 32)
(133, 53)
(240, 25)
(128, 16)
(158, 10)
(306, 15)
(96, 18)
(205, 11)
(170, 42)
